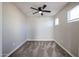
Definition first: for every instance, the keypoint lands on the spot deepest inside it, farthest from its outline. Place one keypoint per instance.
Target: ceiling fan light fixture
(40, 12)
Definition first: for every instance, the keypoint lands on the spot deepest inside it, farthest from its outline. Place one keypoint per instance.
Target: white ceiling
(52, 6)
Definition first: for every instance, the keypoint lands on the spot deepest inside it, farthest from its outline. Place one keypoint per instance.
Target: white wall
(0, 29)
(17, 28)
(67, 34)
(40, 28)
(14, 29)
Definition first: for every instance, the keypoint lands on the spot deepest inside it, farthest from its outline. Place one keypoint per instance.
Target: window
(73, 14)
(57, 21)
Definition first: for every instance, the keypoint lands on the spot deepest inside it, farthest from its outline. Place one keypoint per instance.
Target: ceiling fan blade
(42, 14)
(46, 11)
(34, 8)
(44, 6)
(35, 12)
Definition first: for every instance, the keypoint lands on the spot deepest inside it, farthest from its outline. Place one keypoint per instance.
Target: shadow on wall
(67, 33)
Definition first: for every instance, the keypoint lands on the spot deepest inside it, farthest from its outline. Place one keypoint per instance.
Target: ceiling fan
(40, 10)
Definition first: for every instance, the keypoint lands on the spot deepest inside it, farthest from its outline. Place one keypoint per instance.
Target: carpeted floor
(40, 49)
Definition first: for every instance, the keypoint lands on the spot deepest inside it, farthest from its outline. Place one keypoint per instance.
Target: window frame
(69, 13)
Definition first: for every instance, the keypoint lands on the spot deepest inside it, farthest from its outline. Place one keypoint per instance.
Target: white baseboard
(16, 48)
(64, 48)
(25, 41)
(40, 39)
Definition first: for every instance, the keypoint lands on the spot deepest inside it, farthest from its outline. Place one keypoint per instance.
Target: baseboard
(40, 39)
(16, 48)
(64, 49)
(24, 42)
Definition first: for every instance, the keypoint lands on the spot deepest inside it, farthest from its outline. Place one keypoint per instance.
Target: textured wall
(67, 34)
(0, 28)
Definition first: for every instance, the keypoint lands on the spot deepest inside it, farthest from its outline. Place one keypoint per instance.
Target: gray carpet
(40, 49)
